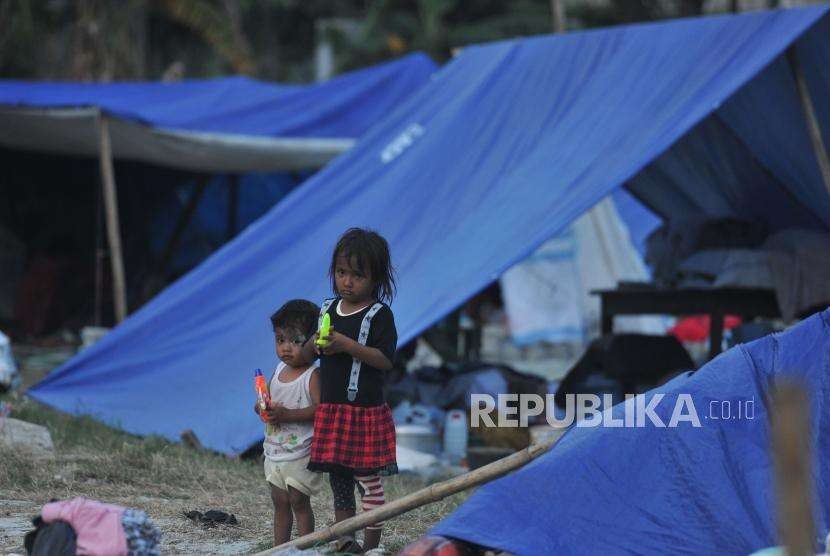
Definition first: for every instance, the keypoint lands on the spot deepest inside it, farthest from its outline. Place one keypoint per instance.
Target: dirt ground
(164, 480)
(238, 489)
(161, 478)
(15, 522)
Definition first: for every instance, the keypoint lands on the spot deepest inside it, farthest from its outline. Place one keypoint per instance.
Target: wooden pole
(793, 480)
(557, 9)
(119, 289)
(813, 127)
(428, 495)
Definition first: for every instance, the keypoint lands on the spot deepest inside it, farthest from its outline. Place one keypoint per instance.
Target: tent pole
(813, 127)
(113, 228)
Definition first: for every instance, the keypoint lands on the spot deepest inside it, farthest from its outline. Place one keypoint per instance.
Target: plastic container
(455, 436)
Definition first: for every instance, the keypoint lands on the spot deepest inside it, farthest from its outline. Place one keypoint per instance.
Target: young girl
(295, 393)
(354, 435)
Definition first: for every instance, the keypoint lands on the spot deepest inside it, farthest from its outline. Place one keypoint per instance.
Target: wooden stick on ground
(428, 495)
(793, 481)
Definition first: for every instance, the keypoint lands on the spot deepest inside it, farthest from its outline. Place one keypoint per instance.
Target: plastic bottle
(455, 436)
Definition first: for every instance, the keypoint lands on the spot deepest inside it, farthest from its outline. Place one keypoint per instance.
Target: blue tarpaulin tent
(227, 126)
(222, 125)
(503, 148)
(208, 229)
(704, 489)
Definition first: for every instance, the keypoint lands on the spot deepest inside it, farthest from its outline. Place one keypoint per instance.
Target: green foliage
(218, 27)
(273, 39)
(23, 25)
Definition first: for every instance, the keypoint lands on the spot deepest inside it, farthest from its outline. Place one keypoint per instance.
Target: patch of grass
(68, 430)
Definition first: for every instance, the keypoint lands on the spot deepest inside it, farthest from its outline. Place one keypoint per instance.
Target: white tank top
(288, 441)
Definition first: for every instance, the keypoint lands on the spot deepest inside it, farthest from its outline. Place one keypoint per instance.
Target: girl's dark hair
(370, 252)
(298, 314)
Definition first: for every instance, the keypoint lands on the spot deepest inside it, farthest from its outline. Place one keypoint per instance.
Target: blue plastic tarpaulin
(704, 489)
(503, 148)
(232, 124)
(208, 229)
(344, 106)
(638, 219)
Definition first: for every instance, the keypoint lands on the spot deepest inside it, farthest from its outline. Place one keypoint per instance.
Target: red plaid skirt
(352, 440)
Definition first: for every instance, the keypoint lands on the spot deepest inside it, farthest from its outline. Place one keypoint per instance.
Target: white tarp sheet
(76, 132)
(547, 296)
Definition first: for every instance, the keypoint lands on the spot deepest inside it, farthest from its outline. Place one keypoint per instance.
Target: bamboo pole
(813, 127)
(428, 495)
(113, 229)
(793, 480)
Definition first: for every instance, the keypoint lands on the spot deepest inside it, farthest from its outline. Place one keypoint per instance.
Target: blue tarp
(638, 219)
(683, 490)
(343, 107)
(501, 150)
(208, 229)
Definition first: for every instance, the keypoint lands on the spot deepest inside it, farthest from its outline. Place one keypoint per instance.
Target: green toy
(325, 330)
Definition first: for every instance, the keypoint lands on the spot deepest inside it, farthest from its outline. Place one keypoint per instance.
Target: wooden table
(715, 302)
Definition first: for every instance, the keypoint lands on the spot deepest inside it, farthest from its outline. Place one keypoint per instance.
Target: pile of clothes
(728, 252)
(84, 526)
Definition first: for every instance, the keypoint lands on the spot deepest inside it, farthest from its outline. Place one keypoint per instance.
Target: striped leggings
(369, 486)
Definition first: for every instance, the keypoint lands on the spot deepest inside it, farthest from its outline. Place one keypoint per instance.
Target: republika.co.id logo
(591, 410)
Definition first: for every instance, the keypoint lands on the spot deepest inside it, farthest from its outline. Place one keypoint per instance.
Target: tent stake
(427, 495)
(813, 127)
(113, 228)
